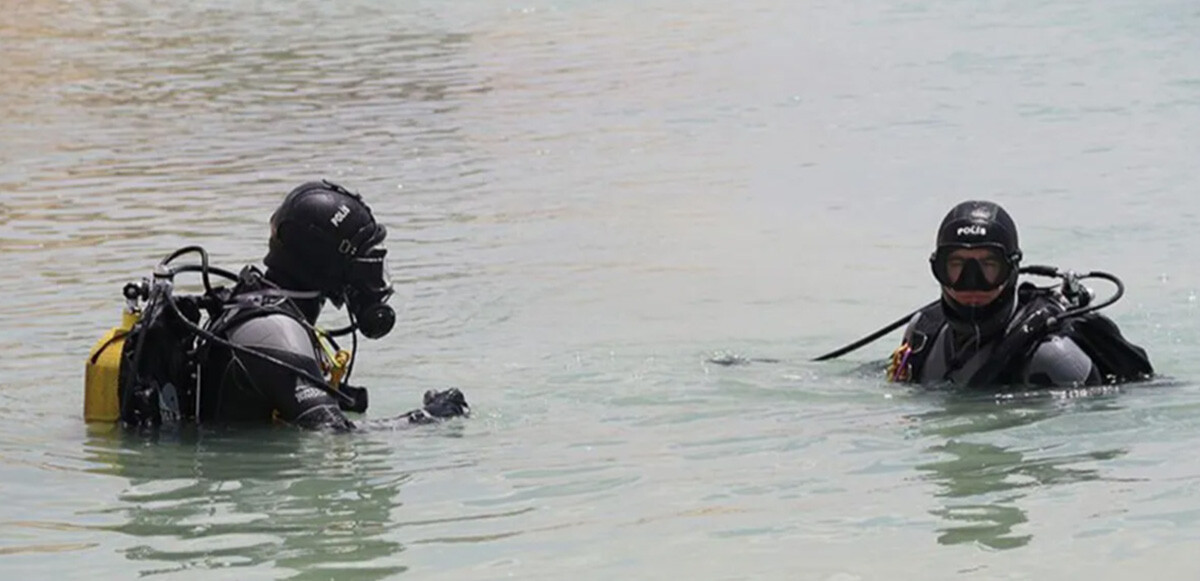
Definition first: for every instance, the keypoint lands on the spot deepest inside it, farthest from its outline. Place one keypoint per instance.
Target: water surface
(586, 202)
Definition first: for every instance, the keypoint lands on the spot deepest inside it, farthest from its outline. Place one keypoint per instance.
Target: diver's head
(324, 238)
(977, 259)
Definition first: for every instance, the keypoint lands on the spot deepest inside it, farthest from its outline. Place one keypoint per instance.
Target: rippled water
(586, 202)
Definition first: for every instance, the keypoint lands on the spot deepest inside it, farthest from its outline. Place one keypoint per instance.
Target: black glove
(358, 394)
(439, 405)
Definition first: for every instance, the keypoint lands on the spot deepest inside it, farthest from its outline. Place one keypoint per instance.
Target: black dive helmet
(977, 225)
(324, 238)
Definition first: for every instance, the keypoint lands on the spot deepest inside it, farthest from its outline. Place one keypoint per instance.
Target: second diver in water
(988, 330)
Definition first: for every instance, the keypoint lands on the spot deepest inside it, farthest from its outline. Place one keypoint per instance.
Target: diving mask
(973, 268)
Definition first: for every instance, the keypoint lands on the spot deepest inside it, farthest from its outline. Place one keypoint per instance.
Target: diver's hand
(440, 405)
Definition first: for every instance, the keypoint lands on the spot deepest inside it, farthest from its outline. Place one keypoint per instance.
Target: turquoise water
(587, 201)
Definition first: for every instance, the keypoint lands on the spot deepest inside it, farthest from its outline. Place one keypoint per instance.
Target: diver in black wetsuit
(987, 330)
(325, 246)
(259, 358)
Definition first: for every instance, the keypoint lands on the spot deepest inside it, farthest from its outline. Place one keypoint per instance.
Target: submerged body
(960, 354)
(988, 331)
(252, 353)
(237, 387)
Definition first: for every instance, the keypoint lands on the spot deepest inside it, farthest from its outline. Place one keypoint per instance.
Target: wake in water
(876, 370)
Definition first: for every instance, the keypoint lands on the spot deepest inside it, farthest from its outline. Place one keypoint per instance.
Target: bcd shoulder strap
(254, 297)
(1029, 327)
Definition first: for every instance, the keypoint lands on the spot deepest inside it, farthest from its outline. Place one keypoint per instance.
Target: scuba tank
(102, 370)
(144, 372)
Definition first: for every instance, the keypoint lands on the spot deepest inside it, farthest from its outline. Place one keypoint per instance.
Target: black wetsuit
(957, 351)
(1005, 348)
(239, 387)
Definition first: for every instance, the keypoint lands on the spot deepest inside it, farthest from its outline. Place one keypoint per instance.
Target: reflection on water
(982, 483)
(218, 499)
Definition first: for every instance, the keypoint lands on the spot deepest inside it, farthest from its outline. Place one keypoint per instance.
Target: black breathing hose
(1083, 310)
(163, 272)
(873, 336)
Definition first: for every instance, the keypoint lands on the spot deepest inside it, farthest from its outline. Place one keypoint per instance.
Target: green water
(586, 201)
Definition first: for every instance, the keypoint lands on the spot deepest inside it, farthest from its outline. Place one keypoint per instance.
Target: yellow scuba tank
(102, 371)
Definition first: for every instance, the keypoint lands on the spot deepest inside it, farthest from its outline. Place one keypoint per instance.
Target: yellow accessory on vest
(102, 371)
(899, 370)
(336, 362)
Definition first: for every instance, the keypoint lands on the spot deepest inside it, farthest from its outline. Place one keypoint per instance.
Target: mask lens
(369, 289)
(979, 268)
(370, 271)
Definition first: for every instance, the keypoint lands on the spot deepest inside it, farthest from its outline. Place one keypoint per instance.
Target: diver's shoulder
(1058, 360)
(273, 330)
